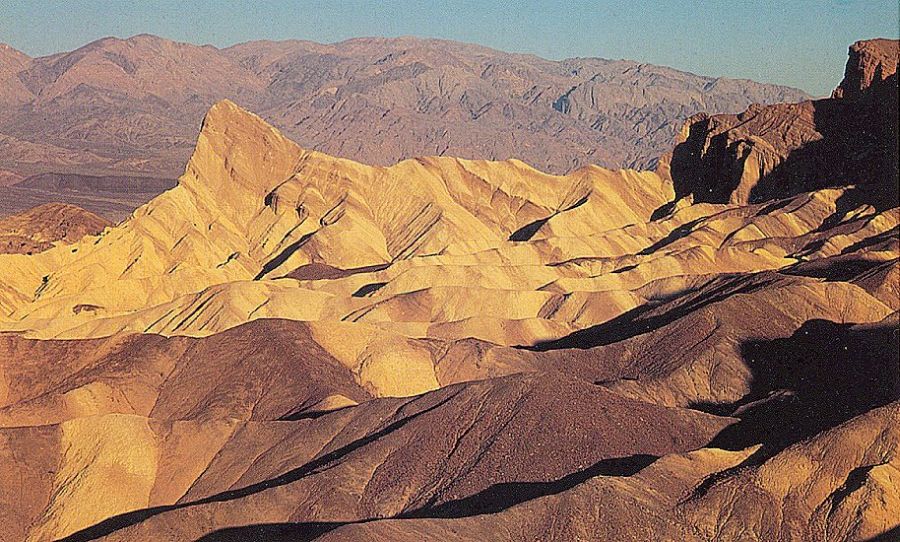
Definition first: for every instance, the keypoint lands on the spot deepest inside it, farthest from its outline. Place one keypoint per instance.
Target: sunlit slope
(435, 247)
(289, 346)
(382, 457)
(252, 205)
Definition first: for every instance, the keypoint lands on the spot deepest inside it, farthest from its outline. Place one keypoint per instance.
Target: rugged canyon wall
(777, 151)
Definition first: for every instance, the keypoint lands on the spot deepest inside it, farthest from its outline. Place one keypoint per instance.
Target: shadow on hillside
(309, 414)
(892, 535)
(283, 256)
(272, 532)
(822, 375)
(526, 232)
(494, 499)
(678, 233)
(710, 177)
(648, 317)
(499, 497)
(316, 466)
(858, 146)
(880, 241)
(835, 268)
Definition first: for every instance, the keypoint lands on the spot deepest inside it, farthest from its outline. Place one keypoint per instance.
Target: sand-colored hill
(293, 346)
(498, 251)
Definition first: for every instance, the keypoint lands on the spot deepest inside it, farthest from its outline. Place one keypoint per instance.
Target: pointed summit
(13, 61)
(226, 111)
(239, 150)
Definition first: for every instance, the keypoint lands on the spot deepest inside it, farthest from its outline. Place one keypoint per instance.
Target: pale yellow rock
(102, 455)
(466, 248)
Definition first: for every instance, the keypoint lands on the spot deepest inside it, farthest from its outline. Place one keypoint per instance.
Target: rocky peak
(776, 151)
(870, 62)
(239, 148)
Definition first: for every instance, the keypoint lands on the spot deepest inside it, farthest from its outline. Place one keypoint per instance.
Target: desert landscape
(111, 124)
(406, 289)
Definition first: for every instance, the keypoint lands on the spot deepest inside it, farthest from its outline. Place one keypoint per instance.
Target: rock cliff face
(292, 346)
(871, 63)
(777, 151)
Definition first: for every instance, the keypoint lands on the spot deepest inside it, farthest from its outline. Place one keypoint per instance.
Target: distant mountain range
(133, 106)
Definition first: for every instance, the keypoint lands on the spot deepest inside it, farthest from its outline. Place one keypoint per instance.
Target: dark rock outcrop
(771, 152)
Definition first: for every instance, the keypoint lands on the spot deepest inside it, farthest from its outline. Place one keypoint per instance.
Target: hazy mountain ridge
(132, 106)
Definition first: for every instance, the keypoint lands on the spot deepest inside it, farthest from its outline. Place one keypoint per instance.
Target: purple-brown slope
(132, 106)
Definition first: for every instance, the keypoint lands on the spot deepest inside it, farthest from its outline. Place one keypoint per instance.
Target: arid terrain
(131, 108)
(38, 228)
(112, 197)
(291, 345)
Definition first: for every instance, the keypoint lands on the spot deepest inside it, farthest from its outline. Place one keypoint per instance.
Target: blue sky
(802, 43)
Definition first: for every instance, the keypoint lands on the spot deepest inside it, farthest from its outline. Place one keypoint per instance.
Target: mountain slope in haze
(425, 97)
(91, 183)
(132, 106)
(9, 178)
(12, 91)
(112, 206)
(112, 196)
(293, 346)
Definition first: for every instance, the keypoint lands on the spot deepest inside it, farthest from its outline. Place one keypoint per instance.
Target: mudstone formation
(293, 346)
